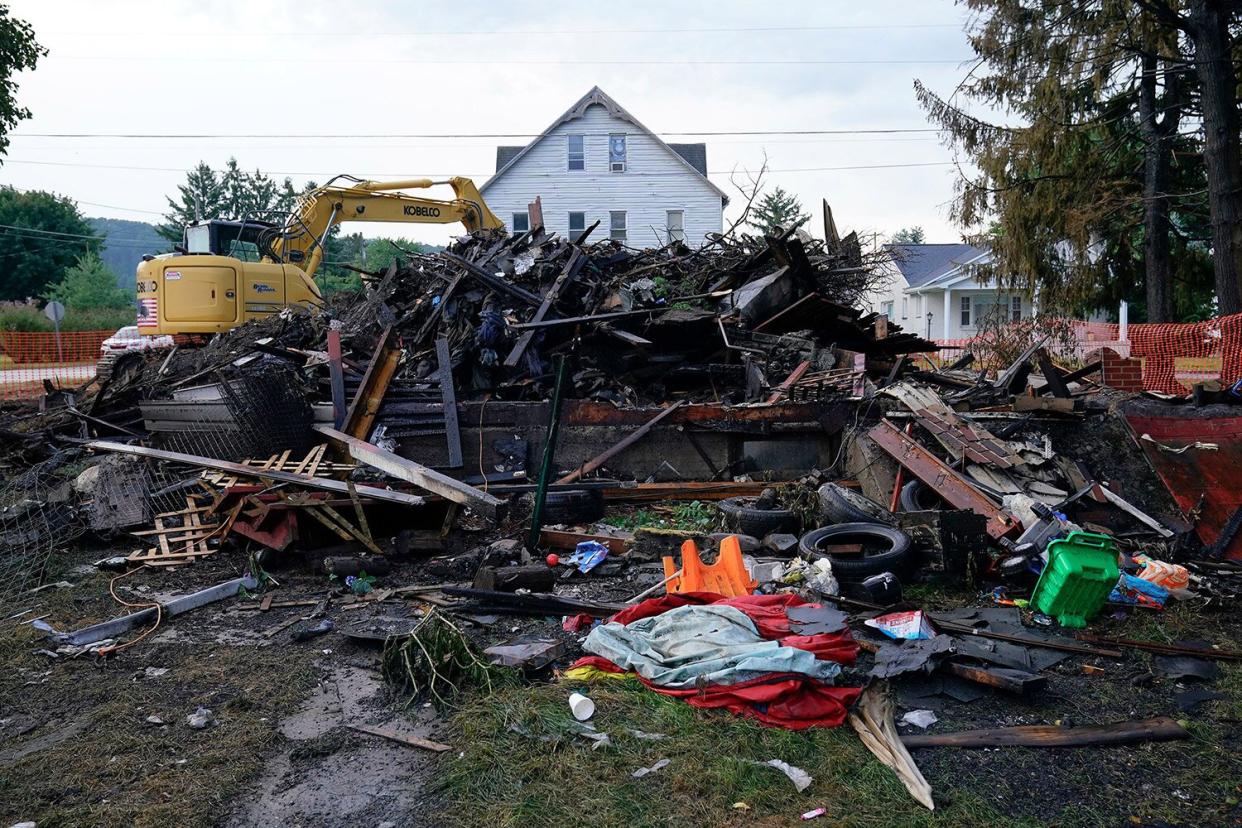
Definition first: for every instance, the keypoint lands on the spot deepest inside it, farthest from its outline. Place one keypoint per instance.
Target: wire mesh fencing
(39, 514)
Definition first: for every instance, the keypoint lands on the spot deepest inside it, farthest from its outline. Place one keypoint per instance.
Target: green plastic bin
(1082, 570)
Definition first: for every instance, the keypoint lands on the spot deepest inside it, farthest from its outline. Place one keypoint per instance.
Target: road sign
(55, 311)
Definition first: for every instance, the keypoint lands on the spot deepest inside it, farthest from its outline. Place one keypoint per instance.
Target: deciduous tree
(18, 51)
(43, 234)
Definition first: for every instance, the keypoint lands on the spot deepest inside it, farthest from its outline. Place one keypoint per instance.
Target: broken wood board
(1159, 729)
(399, 736)
(416, 473)
(951, 486)
(386, 495)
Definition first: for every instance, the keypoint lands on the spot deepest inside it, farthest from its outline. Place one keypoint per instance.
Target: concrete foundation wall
(786, 440)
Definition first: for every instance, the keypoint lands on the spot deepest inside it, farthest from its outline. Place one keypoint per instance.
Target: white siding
(654, 182)
(934, 301)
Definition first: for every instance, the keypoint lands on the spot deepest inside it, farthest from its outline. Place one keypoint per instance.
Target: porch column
(948, 311)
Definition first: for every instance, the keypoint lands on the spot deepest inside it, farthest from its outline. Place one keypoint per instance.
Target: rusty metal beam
(951, 486)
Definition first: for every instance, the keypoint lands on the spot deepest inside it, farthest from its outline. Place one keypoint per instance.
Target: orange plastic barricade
(727, 576)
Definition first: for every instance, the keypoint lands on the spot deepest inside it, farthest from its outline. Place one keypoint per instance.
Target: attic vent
(617, 166)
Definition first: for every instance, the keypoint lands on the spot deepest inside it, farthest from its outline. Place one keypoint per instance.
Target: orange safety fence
(1165, 357)
(27, 358)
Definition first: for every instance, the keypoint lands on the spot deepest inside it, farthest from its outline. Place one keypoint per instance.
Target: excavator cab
(227, 238)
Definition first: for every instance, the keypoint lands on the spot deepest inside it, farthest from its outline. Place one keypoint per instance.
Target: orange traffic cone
(727, 577)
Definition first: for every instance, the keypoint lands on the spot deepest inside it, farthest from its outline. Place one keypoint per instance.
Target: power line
(474, 175)
(49, 232)
(541, 62)
(404, 135)
(533, 32)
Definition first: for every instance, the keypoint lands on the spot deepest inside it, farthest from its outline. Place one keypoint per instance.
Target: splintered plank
(1159, 729)
(429, 479)
(241, 470)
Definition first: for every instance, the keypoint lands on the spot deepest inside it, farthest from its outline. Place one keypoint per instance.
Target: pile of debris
(304, 438)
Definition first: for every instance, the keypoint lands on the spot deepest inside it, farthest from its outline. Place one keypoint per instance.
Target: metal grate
(38, 515)
(261, 412)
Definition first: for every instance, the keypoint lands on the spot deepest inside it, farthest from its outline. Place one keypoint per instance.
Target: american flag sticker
(148, 311)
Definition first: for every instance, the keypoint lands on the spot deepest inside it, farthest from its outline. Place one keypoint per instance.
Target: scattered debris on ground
(658, 519)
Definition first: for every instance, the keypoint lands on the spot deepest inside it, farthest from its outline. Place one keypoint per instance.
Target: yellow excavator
(207, 287)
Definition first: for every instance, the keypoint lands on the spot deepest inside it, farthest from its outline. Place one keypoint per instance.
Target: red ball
(553, 559)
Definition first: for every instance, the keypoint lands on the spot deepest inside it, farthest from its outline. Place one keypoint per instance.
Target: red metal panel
(1194, 475)
(955, 489)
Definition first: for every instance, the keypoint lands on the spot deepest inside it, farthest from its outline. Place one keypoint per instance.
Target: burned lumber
(370, 394)
(629, 440)
(344, 566)
(1008, 679)
(494, 282)
(949, 484)
(421, 476)
(1159, 729)
(533, 577)
(571, 270)
(533, 603)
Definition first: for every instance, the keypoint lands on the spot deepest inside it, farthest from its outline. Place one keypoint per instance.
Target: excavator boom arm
(322, 209)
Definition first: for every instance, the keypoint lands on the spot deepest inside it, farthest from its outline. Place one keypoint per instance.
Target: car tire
(917, 497)
(760, 523)
(573, 506)
(892, 557)
(838, 504)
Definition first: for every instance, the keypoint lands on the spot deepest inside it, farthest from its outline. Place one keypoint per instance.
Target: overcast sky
(364, 68)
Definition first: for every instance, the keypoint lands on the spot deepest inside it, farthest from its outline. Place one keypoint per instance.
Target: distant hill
(125, 243)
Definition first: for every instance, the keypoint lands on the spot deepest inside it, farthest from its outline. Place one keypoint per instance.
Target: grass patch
(524, 765)
(693, 516)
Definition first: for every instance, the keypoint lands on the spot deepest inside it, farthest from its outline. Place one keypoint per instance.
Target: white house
(938, 291)
(598, 163)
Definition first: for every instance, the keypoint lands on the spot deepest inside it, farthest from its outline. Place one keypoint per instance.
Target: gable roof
(504, 155)
(598, 97)
(922, 264)
(695, 155)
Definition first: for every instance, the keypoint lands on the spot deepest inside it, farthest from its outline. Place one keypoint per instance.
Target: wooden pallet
(178, 544)
(313, 464)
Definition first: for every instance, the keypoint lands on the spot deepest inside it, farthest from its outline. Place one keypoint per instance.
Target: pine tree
(89, 283)
(777, 209)
(908, 235)
(1096, 95)
(201, 197)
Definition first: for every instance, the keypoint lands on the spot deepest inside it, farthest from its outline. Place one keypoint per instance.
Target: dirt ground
(79, 746)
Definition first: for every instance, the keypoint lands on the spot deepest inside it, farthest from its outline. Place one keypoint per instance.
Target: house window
(1015, 308)
(676, 226)
(520, 223)
(616, 152)
(965, 305)
(577, 224)
(577, 152)
(905, 307)
(886, 308)
(616, 225)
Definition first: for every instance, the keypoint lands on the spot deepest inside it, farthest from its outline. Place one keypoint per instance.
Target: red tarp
(788, 700)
